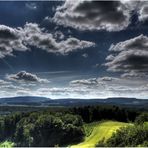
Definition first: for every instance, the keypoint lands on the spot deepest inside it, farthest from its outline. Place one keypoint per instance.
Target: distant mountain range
(43, 101)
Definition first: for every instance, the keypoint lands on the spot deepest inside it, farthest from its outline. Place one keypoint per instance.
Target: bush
(142, 118)
(131, 136)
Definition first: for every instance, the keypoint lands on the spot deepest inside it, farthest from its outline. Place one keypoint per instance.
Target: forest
(66, 126)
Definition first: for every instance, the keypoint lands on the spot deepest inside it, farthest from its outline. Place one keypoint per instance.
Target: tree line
(97, 113)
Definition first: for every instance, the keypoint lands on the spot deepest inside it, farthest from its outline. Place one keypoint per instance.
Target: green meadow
(97, 131)
(6, 144)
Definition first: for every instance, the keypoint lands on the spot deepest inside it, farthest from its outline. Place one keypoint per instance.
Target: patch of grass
(146, 123)
(97, 131)
(6, 144)
(88, 128)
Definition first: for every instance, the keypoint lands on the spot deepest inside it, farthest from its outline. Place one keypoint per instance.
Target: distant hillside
(23, 100)
(43, 101)
(108, 101)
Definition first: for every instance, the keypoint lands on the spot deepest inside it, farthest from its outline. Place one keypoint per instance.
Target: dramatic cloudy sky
(74, 49)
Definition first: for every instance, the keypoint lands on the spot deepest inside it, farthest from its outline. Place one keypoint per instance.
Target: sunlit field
(98, 131)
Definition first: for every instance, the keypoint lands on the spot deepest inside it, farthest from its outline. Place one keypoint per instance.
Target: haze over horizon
(68, 49)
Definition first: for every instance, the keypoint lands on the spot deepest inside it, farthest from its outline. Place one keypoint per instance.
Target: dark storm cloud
(8, 33)
(93, 15)
(129, 57)
(25, 76)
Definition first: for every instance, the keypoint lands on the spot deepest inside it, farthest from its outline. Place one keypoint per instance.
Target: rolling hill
(43, 101)
(97, 131)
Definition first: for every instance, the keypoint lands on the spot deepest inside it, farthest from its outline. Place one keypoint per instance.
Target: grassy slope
(146, 123)
(97, 131)
(6, 144)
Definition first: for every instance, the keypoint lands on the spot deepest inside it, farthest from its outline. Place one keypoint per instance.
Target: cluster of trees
(8, 125)
(42, 129)
(130, 136)
(97, 113)
(142, 118)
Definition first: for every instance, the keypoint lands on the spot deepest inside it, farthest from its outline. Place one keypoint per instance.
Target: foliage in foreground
(96, 131)
(131, 136)
(59, 127)
(142, 118)
(6, 144)
(43, 129)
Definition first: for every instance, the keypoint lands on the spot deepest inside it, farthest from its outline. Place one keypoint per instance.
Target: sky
(74, 49)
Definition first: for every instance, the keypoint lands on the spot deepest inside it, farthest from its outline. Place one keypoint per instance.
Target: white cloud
(25, 76)
(85, 55)
(36, 37)
(31, 6)
(84, 82)
(101, 87)
(96, 65)
(11, 39)
(143, 11)
(3, 83)
(59, 35)
(20, 39)
(111, 87)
